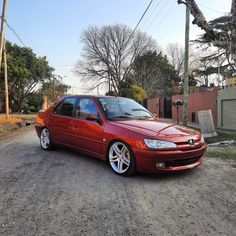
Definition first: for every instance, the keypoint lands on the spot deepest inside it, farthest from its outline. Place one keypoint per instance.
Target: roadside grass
(220, 137)
(10, 120)
(16, 118)
(14, 122)
(228, 152)
(6, 128)
(22, 116)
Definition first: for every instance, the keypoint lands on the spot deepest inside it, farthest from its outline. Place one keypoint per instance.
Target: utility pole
(3, 20)
(186, 56)
(218, 68)
(6, 80)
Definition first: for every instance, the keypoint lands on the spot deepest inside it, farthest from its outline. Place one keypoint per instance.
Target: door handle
(74, 125)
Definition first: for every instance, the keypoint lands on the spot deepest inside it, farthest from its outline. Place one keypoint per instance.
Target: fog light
(160, 164)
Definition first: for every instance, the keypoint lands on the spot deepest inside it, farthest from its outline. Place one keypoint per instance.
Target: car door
(61, 122)
(87, 133)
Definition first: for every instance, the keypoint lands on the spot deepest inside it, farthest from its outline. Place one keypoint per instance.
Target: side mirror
(92, 118)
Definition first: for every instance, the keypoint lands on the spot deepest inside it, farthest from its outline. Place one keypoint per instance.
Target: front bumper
(175, 160)
(38, 129)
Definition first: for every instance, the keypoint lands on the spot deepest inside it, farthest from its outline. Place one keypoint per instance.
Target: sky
(52, 28)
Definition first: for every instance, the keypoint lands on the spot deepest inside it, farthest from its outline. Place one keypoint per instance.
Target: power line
(163, 17)
(17, 35)
(206, 7)
(147, 19)
(140, 20)
(158, 13)
(166, 14)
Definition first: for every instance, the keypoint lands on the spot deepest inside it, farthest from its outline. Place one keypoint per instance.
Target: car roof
(91, 96)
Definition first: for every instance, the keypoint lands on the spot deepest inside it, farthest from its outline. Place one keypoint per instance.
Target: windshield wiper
(139, 109)
(121, 117)
(143, 117)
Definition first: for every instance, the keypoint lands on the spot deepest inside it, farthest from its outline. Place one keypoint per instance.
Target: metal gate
(228, 114)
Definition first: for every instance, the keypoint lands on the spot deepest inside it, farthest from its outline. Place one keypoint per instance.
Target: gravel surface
(66, 193)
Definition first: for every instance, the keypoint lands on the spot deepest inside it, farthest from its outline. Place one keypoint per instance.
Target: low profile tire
(46, 140)
(121, 159)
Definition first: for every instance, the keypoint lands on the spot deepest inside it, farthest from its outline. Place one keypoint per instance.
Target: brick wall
(196, 102)
(153, 105)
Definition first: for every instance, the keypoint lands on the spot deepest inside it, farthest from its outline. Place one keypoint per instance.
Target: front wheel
(46, 140)
(121, 159)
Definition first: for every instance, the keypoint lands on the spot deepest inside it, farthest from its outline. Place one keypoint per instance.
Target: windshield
(123, 108)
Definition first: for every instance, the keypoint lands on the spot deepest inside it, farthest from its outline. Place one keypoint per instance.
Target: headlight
(202, 139)
(152, 143)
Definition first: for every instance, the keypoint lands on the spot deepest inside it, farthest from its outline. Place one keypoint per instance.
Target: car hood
(155, 128)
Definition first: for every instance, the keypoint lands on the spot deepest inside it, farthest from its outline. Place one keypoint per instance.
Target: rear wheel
(46, 140)
(121, 159)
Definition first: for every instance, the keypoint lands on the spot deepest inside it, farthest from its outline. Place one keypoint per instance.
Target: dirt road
(66, 193)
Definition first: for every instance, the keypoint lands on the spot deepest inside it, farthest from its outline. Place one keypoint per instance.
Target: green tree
(220, 32)
(26, 72)
(54, 88)
(33, 103)
(191, 80)
(138, 93)
(220, 56)
(152, 71)
(125, 88)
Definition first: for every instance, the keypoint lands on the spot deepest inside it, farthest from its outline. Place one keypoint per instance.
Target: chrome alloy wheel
(45, 138)
(119, 157)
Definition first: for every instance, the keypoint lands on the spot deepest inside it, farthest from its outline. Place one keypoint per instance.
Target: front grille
(186, 146)
(182, 162)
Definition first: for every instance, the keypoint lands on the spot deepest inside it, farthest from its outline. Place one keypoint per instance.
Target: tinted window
(85, 107)
(66, 107)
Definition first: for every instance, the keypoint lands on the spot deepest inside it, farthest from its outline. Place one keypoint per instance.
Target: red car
(120, 131)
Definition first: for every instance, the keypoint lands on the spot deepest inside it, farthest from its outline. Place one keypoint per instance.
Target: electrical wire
(17, 35)
(164, 16)
(157, 14)
(206, 7)
(139, 21)
(148, 17)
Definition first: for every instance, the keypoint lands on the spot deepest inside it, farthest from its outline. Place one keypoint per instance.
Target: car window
(85, 107)
(66, 107)
(123, 108)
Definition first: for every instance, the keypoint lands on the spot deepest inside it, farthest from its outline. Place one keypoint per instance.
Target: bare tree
(109, 52)
(218, 38)
(175, 54)
(203, 70)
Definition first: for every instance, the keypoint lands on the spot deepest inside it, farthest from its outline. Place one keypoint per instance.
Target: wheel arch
(132, 169)
(118, 140)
